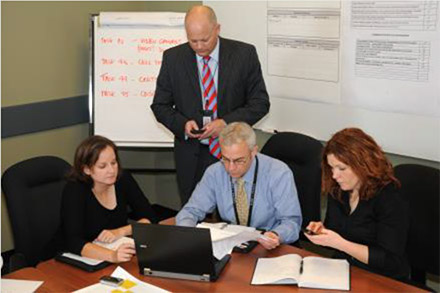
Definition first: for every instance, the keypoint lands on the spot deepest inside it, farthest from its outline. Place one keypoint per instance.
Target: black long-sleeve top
(84, 217)
(381, 223)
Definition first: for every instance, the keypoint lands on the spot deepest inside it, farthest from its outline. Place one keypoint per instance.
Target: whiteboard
(402, 115)
(126, 56)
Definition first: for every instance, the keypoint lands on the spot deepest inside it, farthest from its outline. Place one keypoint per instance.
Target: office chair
(161, 212)
(33, 191)
(421, 188)
(302, 154)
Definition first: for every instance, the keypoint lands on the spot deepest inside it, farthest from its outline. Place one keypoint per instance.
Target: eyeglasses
(238, 162)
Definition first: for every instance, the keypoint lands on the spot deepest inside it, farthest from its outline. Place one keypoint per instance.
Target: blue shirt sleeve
(287, 209)
(202, 201)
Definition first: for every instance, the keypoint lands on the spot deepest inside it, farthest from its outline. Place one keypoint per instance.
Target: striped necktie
(210, 101)
(242, 204)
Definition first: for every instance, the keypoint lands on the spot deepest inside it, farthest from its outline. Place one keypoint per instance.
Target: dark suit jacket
(241, 95)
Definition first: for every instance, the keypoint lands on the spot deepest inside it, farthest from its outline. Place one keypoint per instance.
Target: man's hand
(190, 125)
(269, 240)
(213, 128)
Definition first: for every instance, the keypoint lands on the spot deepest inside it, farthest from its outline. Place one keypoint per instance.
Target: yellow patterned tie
(242, 205)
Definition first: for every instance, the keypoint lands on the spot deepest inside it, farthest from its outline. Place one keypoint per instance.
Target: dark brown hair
(87, 154)
(358, 150)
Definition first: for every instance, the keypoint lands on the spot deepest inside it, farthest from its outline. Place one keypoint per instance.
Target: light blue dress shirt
(276, 206)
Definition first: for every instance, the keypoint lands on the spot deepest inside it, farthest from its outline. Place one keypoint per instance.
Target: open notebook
(309, 272)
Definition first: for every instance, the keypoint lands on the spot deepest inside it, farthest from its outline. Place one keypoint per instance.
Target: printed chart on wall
(127, 55)
(392, 45)
(390, 49)
(332, 64)
(303, 49)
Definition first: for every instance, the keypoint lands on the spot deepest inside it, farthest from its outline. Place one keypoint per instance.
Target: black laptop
(176, 252)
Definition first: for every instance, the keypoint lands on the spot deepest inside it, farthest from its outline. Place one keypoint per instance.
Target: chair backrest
(421, 189)
(33, 191)
(302, 154)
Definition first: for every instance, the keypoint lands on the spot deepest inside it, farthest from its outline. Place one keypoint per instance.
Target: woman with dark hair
(95, 200)
(366, 220)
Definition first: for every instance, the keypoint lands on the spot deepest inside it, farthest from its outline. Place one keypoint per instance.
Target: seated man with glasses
(248, 188)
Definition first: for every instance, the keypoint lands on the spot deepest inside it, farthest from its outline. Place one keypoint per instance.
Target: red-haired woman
(366, 220)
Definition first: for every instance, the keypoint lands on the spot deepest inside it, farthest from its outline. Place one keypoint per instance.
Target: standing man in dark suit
(203, 85)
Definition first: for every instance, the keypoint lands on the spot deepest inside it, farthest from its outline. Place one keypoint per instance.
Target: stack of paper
(225, 237)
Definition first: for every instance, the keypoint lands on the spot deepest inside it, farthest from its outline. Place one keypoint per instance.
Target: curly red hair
(358, 150)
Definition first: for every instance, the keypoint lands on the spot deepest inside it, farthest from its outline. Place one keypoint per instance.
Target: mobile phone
(245, 247)
(111, 281)
(307, 231)
(197, 131)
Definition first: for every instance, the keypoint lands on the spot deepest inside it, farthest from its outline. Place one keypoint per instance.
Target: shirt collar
(214, 54)
(249, 175)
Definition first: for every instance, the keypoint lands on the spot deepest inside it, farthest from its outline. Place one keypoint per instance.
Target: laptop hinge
(147, 271)
(203, 277)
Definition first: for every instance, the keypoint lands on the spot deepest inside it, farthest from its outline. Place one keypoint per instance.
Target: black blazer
(241, 93)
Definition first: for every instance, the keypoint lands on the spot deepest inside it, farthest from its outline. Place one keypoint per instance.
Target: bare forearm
(98, 252)
(358, 251)
(123, 231)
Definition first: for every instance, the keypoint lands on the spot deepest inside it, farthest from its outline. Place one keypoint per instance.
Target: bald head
(202, 29)
(200, 13)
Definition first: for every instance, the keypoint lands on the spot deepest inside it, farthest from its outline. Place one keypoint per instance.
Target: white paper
(22, 286)
(127, 61)
(325, 273)
(277, 270)
(303, 50)
(141, 286)
(225, 239)
(391, 56)
(238, 229)
(86, 260)
(317, 272)
(115, 244)
(216, 233)
(121, 273)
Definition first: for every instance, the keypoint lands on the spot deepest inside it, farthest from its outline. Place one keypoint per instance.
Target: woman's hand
(124, 253)
(315, 227)
(108, 236)
(144, 221)
(325, 237)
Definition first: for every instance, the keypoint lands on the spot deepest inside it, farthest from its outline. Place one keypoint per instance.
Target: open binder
(84, 263)
(308, 272)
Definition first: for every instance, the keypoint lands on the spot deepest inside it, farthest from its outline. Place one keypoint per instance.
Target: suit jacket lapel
(193, 73)
(224, 68)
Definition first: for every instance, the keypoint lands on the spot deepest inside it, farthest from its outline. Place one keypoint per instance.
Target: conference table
(236, 277)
